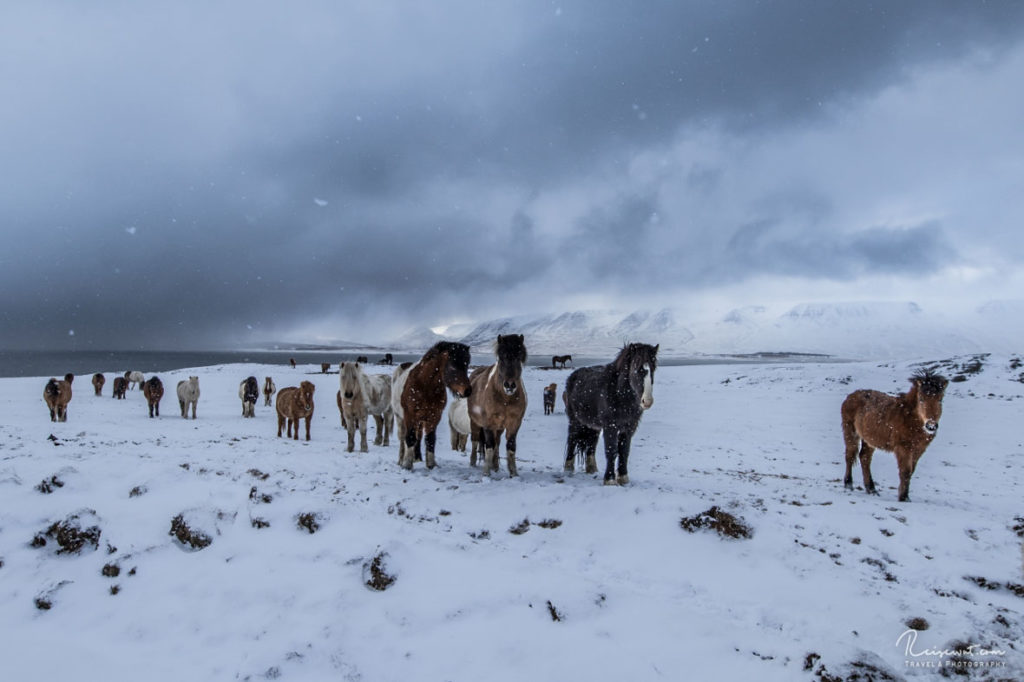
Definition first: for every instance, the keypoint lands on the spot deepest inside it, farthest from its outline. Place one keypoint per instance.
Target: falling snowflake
(320, 202)
(130, 230)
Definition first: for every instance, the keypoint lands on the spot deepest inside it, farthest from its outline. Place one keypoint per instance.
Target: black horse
(609, 398)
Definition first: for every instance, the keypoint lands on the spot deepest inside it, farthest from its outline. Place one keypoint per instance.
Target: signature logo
(962, 656)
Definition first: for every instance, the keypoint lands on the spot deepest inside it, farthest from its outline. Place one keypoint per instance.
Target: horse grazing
(57, 395)
(188, 394)
(363, 360)
(459, 426)
(498, 402)
(560, 360)
(550, 391)
(249, 393)
(904, 425)
(609, 398)
(269, 389)
(418, 397)
(294, 404)
(388, 359)
(324, 366)
(153, 389)
(352, 405)
(134, 379)
(97, 383)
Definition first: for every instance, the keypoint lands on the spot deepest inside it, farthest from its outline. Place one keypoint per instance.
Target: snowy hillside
(861, 330)
(166, 549)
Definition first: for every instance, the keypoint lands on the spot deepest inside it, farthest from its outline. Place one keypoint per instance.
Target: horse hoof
(622, 480)
(610, 481)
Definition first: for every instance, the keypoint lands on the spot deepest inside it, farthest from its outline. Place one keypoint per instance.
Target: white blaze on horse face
(648, 397)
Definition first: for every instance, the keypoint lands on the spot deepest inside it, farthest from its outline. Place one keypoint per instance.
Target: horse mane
(928, 382)
(625, 356)
(511, 344)
(453, 349)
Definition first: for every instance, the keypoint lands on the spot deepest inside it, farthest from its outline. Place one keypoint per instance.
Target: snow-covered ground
(599, 583)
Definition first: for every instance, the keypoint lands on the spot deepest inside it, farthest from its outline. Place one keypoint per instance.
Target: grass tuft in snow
(718, 520)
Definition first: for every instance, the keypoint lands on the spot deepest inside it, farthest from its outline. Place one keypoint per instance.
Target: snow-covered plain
(610, 588)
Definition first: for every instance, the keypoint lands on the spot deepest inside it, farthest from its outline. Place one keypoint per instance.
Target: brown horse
(97, 383)
(324, 366)
(57, 395)
(294, 404)
(269, 389)
(422, 397)
(560, 360)
(291, 361)
(153, 389)
(120, 386)
(904, 425)
(498, 402)
(550, 391)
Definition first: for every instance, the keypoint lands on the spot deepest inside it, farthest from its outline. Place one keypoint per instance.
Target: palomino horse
(294, 404)
(97, 383)
(418, 397)
(609, 398)
(153, 389)
(269, 389)
(188, 394)
(249, 393)
(560, 360)
(57, 395)
(498, 402)
(352, 405)
(904, 425)
(550, 391)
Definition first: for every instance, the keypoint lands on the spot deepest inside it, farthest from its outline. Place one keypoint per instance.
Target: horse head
(931, 388)
(304, 396)
(640, 360)
(510, 351)
(349, 372)
(456, 367)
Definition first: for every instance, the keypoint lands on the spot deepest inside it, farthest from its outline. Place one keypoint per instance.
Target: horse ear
(656, 348)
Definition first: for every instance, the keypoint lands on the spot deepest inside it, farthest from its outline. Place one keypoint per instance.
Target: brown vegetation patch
(375, 574)
(917, 624)
(111, 571)
(259, 523)
(71, 537)
(138, 491)
(555, 615)
(550, 524)
(47, 485)
(309, 522)
(196, 539)
(718, 520)
(520, 528)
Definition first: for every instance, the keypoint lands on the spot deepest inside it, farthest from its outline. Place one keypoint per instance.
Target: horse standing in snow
(377, 396)
(550, 391)
(188, 394)
(97, 383)
(418, 397)
(352, 405)
(120, 386)
(269, 389)
(610, 398)
(134, 379)
(153, 389)
(459, 425)
(249, 393)
(904, 425)
(57, 395)
(498, 402)
(560, 360)
(294, 404)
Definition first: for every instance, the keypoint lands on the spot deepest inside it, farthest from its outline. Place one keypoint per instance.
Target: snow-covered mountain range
(850, 330)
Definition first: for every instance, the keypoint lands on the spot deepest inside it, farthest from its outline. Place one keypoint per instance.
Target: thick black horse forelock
(252, 390)
(606, 396)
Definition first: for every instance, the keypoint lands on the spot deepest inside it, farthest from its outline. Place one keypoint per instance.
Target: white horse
(398, 379)
(249, 393)
(134, 378)
(460, 426)
(377, 397)
(188, 394)
(269, 389)
(352, 405)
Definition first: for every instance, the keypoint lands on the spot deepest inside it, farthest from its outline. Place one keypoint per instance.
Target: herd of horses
(490, 403)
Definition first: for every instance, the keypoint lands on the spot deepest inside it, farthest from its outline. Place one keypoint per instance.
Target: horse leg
(430, 441)
(280, 423)
(401, 433)
(490, 450)
(906, 466)
(363, 447)
(622, 475)
(510, 453)
(611, 451)
(478, 437)
(309, 418)
(351, 430)
(378, 421)
(412, 446)
(852, 441)
(866, 451)
(388, 416)
(195, 403)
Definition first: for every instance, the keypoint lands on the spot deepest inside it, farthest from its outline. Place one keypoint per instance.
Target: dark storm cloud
(196, 175)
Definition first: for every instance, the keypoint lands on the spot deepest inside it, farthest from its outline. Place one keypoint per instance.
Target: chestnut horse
(120, 386)
(97, 383)
(498, 402)
(153, 389)
(57, 395)
(550, 391)
(294, 404)
(904, 425)
(609, 398)
(560, 360)
(420, 392)
(249, 393)
(269, 389)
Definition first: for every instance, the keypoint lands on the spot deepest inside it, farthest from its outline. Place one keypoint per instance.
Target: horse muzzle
(510, 388)
(646, 403)
(931, 426)
(349, 395)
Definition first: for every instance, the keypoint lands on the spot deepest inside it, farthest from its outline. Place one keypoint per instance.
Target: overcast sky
(198, 174)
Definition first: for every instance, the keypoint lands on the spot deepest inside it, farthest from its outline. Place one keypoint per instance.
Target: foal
(498, 403)
(904, 425)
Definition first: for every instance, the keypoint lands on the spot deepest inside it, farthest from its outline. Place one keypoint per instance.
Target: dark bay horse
(153, 389)
(97, 382)
(904, 425)
(560, 360)
(550, 391)
(609, 398)
(498, 403)
(421, 397)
